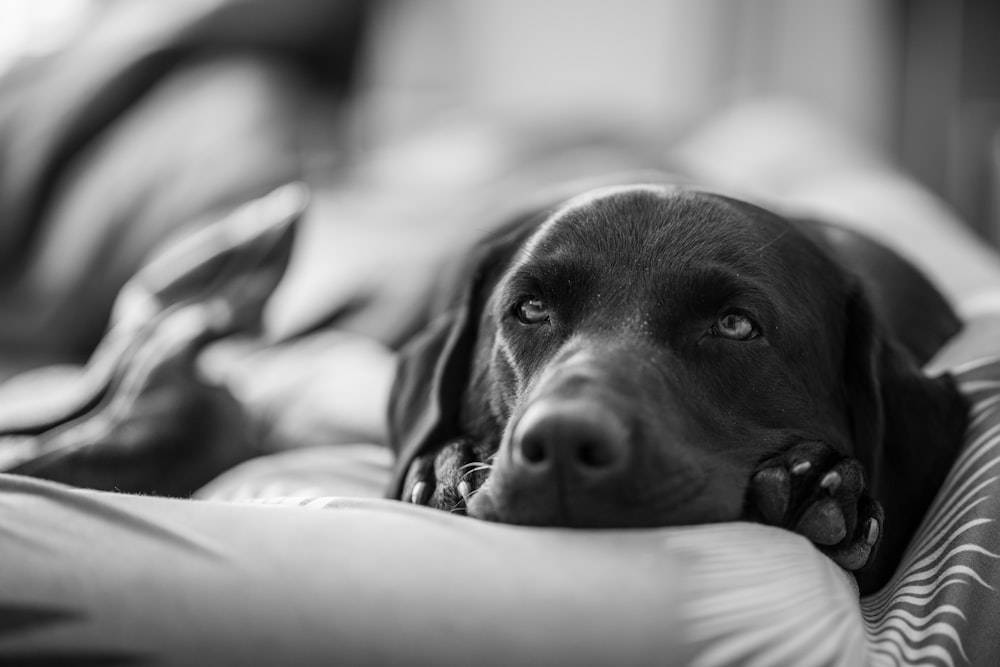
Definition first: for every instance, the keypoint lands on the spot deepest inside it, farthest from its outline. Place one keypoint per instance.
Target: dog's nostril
(595, 453)
(533, 449)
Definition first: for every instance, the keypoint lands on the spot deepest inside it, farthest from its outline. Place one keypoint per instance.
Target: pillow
(941, 607)
(94, 576)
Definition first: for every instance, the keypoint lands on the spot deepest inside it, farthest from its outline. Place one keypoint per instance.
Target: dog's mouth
(467, 494)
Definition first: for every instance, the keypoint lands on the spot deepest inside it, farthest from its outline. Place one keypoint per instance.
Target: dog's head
(630, 357)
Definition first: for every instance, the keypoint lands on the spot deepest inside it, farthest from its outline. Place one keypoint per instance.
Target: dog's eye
(735, 326)
(531, 311)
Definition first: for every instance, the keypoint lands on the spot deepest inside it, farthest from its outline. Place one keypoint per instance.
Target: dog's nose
(581, 437)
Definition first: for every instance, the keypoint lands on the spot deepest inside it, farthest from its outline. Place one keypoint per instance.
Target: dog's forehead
(653, 219)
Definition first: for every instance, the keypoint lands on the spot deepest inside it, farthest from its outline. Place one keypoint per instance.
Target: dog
(653, 354)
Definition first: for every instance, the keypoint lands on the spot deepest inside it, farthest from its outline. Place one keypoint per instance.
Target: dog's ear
(434, 366)
(898, 413)
(914, 312)
(906, 428)
(863, 379)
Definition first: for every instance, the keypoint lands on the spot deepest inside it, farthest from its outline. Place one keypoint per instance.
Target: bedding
(158, 116)
(256, 577)
(137, 417)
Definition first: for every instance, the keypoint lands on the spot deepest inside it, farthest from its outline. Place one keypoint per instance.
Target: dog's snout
(578, 437)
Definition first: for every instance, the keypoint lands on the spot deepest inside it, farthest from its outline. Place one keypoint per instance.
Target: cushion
(132, 579)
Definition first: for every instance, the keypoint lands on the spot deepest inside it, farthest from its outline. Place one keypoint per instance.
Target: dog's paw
(445, 479)
(813, 490)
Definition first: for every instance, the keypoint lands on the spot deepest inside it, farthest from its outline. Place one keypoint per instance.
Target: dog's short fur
(653, 355)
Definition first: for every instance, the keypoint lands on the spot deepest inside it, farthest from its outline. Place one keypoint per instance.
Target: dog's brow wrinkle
(771, 242)
(479, 468)
(575, 204)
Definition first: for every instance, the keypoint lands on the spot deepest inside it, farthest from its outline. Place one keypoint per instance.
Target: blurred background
(916, 79)
(124, 122)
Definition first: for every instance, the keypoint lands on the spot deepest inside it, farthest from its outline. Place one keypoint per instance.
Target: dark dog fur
(653, 355)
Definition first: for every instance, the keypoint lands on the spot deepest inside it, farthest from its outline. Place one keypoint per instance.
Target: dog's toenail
(831, 481)
(871, 534)
(418, 494)
(465, 490)
(801, 468)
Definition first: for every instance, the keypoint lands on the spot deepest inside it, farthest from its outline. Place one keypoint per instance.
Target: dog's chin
(481, 506)
(547, 507)
(484, 505)
(500, 509)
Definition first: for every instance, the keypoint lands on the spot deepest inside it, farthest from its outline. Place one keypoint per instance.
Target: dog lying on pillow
(656, 355)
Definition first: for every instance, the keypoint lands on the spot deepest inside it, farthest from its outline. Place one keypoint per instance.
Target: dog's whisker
(466, 493)
(463, 504)
(484, 467)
